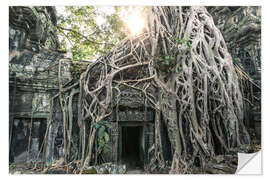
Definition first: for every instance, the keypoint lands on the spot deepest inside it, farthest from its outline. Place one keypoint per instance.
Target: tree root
(181, 67)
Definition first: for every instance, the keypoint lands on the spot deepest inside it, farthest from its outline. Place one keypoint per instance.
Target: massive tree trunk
(182, 67)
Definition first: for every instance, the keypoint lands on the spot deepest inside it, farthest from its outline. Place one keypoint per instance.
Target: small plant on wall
(102, 128)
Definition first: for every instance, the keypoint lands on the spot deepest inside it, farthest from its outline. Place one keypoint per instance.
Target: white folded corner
(249, 163)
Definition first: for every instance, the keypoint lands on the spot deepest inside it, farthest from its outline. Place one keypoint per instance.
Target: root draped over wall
(182, 68)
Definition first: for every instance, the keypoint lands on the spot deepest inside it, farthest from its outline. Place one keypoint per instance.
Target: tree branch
(80, 34)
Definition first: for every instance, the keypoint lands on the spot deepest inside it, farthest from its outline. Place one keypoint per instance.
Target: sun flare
(134, 20)
(135, 23)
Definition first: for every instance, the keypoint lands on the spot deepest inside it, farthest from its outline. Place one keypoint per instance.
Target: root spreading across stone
(181, 67)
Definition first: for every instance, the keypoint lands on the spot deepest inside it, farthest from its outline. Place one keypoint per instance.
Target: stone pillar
(34, 148)
(115, 143)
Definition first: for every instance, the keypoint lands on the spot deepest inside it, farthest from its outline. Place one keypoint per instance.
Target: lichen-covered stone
(33, 70)
(241, 29)
(34, 27)
(90, 170)
(107, 168)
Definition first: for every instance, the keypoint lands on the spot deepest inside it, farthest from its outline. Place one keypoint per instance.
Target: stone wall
(241, 29)
(33, 70)
(33, 28)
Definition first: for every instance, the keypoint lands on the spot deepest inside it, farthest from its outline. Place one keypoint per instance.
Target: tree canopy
(89, 32)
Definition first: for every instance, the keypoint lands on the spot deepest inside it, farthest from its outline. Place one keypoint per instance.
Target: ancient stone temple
(152, 110)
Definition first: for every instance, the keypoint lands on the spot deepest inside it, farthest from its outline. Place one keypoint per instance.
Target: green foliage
(168, 62)
(103, 137)
(80, 31)
(12, 165)
(184, 41)
(106, 137)
(235, 60)
(178, 69)
(165, 63)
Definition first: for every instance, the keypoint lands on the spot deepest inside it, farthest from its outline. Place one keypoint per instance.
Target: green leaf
(101, 132)
(189, 44)
(176, 70)
(101, 143)
(96, 125)
(108, 124)
(106, 148)
(182, 41)
(106, 137)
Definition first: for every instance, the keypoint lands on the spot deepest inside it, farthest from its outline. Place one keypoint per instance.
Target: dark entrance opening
(20, 138)
(132, 146)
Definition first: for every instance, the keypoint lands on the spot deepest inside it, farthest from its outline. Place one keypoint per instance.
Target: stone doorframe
(146, 139)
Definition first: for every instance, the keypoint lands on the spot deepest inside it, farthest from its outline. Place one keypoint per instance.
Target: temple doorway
(20, 138)
(132, 146)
